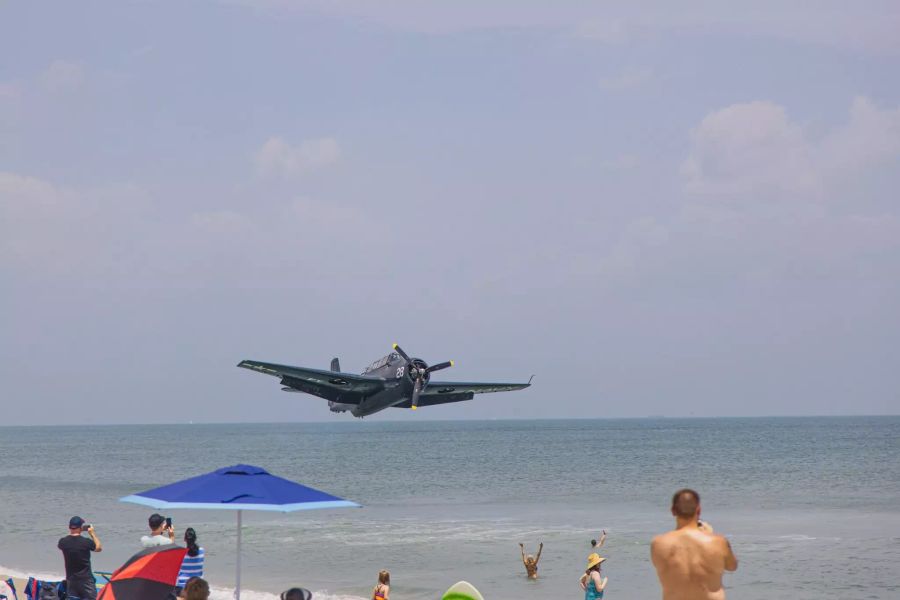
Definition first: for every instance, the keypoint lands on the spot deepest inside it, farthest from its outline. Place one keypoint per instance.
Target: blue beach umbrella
(240, 488)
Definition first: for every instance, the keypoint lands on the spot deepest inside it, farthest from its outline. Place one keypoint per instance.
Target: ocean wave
(216, 593)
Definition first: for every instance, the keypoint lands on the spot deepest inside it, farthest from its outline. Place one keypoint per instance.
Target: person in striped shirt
(192, 566)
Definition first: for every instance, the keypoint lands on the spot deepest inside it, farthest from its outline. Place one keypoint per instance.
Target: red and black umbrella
(148, 575)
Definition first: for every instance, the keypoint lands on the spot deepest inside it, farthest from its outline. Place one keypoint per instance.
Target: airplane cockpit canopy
(382, 361)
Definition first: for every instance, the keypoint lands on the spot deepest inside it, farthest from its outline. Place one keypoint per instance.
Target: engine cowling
(418, 369)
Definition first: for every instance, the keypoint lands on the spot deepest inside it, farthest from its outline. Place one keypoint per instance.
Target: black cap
(75, 522)
(296, 594)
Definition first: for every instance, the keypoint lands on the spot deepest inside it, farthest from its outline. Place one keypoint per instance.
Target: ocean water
(811, 505)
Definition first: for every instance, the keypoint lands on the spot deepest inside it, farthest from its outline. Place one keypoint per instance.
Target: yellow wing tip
(452, 363)
(394, 345)
(414, 407)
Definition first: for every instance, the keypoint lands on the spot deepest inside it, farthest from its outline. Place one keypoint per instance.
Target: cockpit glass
(381, 362)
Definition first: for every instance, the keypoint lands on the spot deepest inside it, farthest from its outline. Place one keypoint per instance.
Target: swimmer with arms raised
(531, 562)
(691, 560)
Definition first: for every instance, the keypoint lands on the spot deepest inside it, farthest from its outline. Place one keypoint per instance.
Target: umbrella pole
(237, 582)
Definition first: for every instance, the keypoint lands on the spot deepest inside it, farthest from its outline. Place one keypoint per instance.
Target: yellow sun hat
(594, 560)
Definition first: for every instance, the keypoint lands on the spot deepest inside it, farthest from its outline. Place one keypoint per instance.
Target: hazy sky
(678, 209)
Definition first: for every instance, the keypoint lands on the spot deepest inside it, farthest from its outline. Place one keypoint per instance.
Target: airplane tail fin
(335, 364)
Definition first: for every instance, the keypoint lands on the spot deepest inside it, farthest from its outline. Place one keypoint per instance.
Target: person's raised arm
(602, 540)
(522, 548)
(538, 557)
(171, 529)
(730, 559)
(98, 547)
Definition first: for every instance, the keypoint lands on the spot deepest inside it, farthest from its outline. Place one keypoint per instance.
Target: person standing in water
(531, 562)
(382, 589)
(595, 545)
(690, 560)
(592, 582)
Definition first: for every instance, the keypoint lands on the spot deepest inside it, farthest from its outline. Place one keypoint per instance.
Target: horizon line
(458, 420)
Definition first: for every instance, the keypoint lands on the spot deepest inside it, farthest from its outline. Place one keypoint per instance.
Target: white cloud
(54, 228)
(117, 233)
(749, 148)
(869, 139)
(62, 75)
(755, 149)
(767, 204)
(279, 158)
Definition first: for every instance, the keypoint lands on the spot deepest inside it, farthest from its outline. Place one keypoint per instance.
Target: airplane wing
(444, 392)
(340, 387)
(425, 400)
(438, 388)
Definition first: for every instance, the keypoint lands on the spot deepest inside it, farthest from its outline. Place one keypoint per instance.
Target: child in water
(382, 589)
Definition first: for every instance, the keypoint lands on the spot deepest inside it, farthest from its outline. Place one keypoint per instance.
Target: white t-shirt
(148, 541)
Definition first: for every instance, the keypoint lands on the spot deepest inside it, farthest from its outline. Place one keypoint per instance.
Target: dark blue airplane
(395, 380)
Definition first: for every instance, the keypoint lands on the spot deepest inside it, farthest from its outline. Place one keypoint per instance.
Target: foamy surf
(42, 575)
(216, 593)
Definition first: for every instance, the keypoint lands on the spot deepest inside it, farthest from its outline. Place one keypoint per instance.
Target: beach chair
(11, 588)
(35, 589)
(101, 578)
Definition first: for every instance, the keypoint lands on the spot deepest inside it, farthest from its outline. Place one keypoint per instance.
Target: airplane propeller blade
(419, 372)
(439, 366)
(417, 390)
(402, 353)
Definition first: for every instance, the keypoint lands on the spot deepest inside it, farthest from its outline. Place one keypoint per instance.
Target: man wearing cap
(76, 551)
(161, 533)
(691, 560)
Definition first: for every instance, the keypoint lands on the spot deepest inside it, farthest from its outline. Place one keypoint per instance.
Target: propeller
(419, 371)
(439, 366)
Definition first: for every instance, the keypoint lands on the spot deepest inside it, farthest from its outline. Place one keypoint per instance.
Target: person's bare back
(531, 562)
(689, 561)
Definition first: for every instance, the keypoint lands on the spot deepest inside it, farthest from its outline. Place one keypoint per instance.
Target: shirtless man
(531, 562)
(690, 561)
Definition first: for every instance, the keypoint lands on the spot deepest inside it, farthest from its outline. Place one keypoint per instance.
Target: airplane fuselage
(398, 389)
